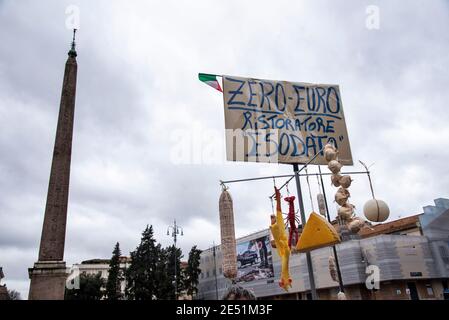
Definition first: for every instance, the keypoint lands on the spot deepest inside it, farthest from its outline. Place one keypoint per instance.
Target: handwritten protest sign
(284, 122)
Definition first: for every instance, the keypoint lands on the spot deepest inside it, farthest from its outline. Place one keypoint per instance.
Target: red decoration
(291, 218)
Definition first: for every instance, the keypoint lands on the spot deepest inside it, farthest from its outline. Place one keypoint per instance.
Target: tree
(174, 255)
(90, 288)
(14, 295)
(115, 277)
(192, 271)
(141, 275)
(164, 285)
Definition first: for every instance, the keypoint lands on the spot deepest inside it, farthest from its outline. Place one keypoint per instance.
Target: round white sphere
(376, 210)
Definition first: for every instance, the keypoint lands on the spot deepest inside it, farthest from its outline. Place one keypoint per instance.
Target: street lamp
(215, 270)
(175, 232)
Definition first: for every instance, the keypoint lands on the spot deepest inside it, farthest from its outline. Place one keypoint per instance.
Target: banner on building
(254, 260)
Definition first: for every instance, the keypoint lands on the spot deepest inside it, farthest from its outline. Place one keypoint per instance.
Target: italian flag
(210, 79)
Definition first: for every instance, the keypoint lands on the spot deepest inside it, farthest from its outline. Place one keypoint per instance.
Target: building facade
(98, 266)
(410, 256)
(101, 266)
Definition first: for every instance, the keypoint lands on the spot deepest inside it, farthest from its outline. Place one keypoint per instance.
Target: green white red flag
(210, 79)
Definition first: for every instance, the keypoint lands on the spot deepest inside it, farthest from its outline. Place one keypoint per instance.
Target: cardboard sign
(283, 122)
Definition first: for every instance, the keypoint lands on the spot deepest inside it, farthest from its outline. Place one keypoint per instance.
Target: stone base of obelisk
(4, 295)
(48, 279)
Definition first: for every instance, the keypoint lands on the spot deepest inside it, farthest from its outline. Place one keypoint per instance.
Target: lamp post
(215, 270)
(175, 232)
(303, 222)
(337, 263)
(123, 282)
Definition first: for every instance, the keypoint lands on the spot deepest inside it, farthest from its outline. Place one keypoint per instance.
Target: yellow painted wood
(317, 233)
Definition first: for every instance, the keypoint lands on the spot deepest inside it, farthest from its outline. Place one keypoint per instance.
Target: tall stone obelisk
(49, 273)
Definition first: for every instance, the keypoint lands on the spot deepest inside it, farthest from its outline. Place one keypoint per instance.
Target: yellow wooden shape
(317, 233)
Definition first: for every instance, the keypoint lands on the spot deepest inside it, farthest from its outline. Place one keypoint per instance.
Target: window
(429, 289)
(444, 254)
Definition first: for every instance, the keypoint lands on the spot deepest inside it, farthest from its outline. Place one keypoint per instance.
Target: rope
(224, 187)
(271, 198)
(319, 183)
(310, 191)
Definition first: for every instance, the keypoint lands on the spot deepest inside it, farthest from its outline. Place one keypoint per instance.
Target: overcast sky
(137, 82)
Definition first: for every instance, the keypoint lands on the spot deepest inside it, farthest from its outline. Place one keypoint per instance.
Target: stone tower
(49, 273)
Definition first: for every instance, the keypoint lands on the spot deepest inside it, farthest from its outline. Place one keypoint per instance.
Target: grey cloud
(137, 81)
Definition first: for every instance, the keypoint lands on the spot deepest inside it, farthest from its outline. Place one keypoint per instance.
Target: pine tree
(90, 288)
(192, 271)
(115, 277)
(164, 286)
(174, 256)
(141, 276)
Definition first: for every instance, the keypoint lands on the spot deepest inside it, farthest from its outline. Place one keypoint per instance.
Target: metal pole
(369, 179)
(290, 176)
(215, 272)
(303, 220)
(175, 230)
(258, 178)
(337, 264)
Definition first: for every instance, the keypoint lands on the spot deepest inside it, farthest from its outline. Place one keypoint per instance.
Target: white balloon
(376, 210)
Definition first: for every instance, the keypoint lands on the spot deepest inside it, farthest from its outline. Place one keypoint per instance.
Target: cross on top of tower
(72, 52)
